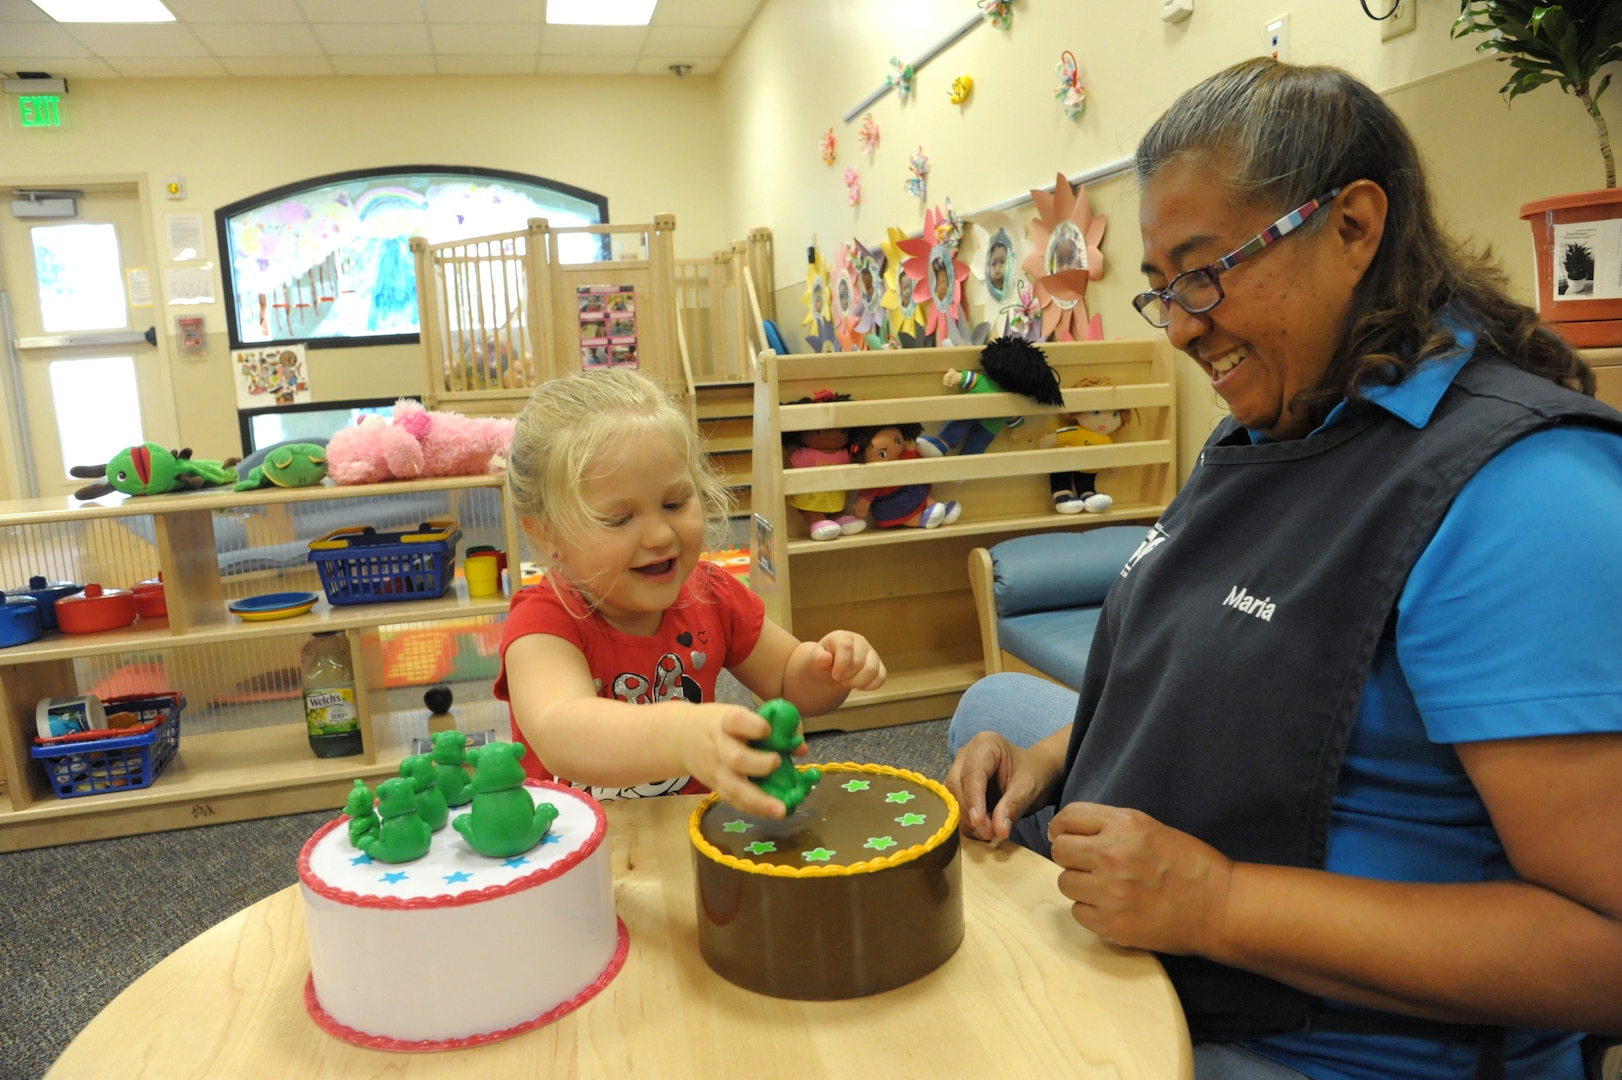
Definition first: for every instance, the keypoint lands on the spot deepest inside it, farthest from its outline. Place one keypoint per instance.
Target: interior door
(82, 381)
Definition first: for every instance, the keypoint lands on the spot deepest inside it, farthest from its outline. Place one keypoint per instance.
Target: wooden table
(1029, 993)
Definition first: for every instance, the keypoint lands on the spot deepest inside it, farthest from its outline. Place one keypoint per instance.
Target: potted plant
(1565, 43)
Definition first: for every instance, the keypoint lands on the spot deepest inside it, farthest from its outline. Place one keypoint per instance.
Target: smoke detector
(681, 71)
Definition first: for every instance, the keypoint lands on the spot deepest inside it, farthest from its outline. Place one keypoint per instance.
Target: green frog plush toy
(504, 820)
(785, 782)
(401, 834)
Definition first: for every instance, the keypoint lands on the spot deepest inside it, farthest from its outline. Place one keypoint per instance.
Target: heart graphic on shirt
(698, 660)
(685, 638)
(703, 637)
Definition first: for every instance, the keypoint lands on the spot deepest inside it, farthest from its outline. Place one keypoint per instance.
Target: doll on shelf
(823, 511)
(1074, 492)
(1009, 364)
(905, 504)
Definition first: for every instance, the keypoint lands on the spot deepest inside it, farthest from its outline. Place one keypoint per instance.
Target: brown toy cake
(858, 891)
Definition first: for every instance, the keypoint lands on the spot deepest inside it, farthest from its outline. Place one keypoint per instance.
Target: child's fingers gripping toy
(824, 511)
(904, 504)
(1009, 364)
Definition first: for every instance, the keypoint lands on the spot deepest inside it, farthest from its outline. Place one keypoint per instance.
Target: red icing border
(475, 896)
(332, 1027)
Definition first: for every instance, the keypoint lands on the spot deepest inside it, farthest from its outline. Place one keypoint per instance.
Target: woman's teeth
(1224, 364)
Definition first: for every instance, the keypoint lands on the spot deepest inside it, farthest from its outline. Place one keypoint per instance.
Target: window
(328, 261)
(81, 283)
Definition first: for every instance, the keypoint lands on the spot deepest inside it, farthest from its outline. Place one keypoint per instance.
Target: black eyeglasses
(1199, 290)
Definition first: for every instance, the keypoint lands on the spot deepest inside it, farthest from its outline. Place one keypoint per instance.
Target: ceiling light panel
(600, 12)
(106, 11)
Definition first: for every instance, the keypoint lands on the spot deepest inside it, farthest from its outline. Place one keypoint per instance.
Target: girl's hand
(1138, 882)
(846, 659)
(715, 750)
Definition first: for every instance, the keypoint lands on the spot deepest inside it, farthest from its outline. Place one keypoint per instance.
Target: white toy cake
(456, 948)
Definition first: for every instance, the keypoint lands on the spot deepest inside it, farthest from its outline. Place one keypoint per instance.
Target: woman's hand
(1138, 882)
(714, 748)
(991, 771)
(846, 659)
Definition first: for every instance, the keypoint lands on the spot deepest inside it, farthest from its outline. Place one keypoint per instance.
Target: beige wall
(649, 145)
(805, 63)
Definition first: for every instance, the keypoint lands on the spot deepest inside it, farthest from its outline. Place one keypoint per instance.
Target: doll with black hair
(824, 511)
(904, 504)
(1009, 364)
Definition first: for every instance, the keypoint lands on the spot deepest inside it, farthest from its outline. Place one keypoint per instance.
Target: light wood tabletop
(1029, 993)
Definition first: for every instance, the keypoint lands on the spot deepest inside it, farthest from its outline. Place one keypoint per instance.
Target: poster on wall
(1588, 260)
(607, 325)
(274, 376)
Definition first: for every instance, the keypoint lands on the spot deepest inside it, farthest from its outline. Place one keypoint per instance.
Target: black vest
(1225, 674)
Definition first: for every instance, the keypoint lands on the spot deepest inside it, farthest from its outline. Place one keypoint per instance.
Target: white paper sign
(185, 237)
(1588, 261)
(189, 285)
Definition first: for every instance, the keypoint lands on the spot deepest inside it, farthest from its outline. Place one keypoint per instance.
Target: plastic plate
(278, 605)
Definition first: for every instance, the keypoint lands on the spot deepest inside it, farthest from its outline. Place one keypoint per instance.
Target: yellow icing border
(869, 866)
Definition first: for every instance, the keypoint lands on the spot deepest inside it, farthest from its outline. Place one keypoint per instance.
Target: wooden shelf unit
(223, 776)
(907, 590)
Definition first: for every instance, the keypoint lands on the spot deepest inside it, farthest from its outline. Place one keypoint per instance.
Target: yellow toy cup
(483, 573)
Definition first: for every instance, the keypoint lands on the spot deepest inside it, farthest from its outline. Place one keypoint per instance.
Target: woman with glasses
(1348, 751)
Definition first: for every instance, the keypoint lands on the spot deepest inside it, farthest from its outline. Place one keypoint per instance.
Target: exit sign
(40, 110)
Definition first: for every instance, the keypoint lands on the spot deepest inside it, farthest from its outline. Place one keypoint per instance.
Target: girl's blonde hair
(565, 428)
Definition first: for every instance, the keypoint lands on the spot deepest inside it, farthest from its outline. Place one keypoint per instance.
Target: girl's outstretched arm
(816, 676)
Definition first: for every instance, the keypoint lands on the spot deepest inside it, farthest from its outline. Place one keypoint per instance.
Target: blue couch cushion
(1053, 571)
(1055, 643)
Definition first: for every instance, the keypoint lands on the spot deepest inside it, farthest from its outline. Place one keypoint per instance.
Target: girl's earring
(557, 556)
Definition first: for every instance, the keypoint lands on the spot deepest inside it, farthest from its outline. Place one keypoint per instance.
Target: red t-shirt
(714, 624)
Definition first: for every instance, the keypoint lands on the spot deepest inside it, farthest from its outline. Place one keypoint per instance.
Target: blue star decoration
(760, 847)
(551, 838)
(735, 826)
(900, 797)
(819, 854)
(361, 860)
(394, 877)
(458, 877)
(515, 862)
(856, 785)
(911, 819)
(879, 843)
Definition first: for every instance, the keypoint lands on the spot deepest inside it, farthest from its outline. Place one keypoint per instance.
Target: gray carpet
(79, 923)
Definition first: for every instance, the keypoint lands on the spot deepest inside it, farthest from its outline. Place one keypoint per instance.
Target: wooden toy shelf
(907, 590)
(220, 776)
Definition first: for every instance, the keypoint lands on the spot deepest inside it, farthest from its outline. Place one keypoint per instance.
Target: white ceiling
(369, 37)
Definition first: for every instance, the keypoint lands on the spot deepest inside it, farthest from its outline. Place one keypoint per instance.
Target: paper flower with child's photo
(937, 275)
(992, 248)
(1066, 256)
(906, 314)
(815, 297)
(870, 293)
(845, 298)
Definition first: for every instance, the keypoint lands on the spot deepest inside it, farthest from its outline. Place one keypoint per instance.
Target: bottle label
(331, 712)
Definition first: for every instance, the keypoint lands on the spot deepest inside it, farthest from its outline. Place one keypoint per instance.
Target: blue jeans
(974, 436)
(1225, 1061)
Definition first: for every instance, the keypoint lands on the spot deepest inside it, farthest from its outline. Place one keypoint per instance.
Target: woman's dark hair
(1278, 135)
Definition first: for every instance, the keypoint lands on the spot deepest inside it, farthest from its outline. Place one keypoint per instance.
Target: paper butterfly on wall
(853, 187)
(828, 147)
(999, 13)
(867, 136)
(918, 182)
(1023, 318)
(961, 88)
(949, 228)
(1070, 93)
(900, 77)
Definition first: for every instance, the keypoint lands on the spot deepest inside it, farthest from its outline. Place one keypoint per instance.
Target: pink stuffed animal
(418, 443)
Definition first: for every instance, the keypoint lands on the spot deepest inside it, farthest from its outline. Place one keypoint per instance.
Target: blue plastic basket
(363, 566)
(78, 767)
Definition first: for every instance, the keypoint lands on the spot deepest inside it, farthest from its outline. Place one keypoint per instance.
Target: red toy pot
(94, 610)
(149, 599)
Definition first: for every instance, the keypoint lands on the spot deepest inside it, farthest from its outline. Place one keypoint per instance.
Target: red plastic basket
(78, 766)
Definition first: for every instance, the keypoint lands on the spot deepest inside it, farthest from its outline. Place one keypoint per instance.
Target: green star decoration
(856, 785)
(820, 854)
(736, 826)
(900, 797)
(911, 819)
(760, 847)
(879, 843)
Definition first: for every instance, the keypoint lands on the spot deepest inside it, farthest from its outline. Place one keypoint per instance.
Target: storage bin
(115, 761)
(361, 565)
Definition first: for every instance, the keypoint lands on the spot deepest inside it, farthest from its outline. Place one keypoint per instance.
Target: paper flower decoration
(905, 313)
(992, 248)
(845, 297)
(824, 340)
(853, 187)
(937, 275)
(948, 227)
(918, 181)
(867, 136)
(900, 78)
(962, 87)
(1070, 93)
(871, 292)
(999, 13)
(815, 297)
(1065, 258)
(1023, 318)
(828, 147)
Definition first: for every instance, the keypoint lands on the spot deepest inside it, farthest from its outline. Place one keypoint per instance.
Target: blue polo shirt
(1507, 628)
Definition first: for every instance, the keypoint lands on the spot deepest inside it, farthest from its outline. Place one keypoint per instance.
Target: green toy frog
(504, 820)
(362, 815)
(785, 782)
(423, 774)
(450, 754)
(149, 469)
(290, 466)
(401, 834)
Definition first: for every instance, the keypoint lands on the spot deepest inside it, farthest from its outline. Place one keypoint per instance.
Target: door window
(81, 281)
(97, 410)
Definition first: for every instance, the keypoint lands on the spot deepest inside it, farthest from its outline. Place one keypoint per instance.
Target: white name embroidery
(1261, 607)
(1156, 536)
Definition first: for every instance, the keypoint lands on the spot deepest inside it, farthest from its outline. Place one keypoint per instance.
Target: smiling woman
(1339, 808)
